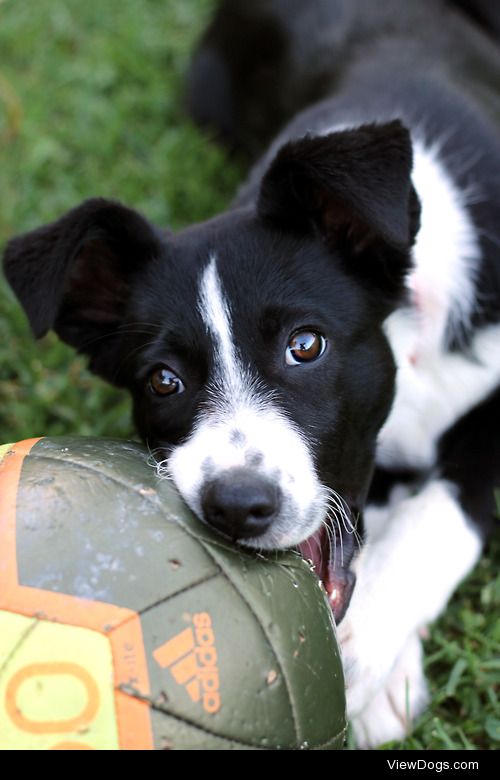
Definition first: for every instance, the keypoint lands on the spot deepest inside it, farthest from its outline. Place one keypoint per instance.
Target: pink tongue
(317, 550)
(337, 583)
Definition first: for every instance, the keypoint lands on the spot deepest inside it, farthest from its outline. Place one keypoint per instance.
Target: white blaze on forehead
(215, 313)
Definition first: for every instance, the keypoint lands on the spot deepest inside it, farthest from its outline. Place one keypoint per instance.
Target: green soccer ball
(126, 624)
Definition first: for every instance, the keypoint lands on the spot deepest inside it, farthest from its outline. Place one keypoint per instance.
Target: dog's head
(252, 344)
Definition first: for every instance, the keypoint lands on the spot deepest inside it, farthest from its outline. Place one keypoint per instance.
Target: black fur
(259, 63)
(484, 12)
(469, 456)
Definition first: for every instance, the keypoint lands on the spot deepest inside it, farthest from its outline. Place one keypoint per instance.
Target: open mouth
(327, 559)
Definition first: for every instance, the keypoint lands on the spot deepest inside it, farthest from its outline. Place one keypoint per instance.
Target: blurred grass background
(91, 103)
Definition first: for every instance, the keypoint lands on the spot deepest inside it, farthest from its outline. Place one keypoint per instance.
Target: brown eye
(163, 381)
(304, 347)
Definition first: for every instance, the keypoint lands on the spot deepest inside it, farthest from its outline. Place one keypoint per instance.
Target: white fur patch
(405, 576)
(435, 387)
(241, 426)
(446, 252)
(434, 392)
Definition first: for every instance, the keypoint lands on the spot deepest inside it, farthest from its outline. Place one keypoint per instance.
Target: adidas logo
(191, 658)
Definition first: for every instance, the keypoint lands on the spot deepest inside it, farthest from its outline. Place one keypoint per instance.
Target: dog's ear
(73, 275)
(354, 189)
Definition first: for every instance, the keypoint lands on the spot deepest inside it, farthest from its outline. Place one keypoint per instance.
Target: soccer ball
(126, 624)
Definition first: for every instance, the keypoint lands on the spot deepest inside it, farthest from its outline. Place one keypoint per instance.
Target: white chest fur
(433, 389)
(434, 386)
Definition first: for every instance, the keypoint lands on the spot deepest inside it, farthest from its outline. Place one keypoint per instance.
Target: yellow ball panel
(49, 696)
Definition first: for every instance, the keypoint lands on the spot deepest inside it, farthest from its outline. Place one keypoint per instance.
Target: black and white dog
(322, 362)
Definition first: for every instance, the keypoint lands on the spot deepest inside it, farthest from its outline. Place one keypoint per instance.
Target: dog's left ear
(354, 189)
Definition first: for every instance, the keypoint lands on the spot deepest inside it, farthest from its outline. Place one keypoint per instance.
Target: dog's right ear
(73, 275)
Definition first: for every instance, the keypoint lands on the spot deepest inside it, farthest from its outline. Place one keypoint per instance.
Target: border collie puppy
(320, 365)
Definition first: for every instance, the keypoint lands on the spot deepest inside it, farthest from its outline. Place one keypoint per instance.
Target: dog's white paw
(402, 697)
(371, 647)
(378, 650)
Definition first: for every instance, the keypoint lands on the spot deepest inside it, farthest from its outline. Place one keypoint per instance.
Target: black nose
(240, 504)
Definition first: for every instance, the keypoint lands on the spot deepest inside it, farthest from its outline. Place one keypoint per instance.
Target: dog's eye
(304, 346)
(163, 381)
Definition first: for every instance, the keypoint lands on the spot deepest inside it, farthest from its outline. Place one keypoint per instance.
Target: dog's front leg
(419, 547)
(413, 560)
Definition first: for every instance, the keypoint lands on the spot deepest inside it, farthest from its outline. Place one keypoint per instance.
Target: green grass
(91, 104)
